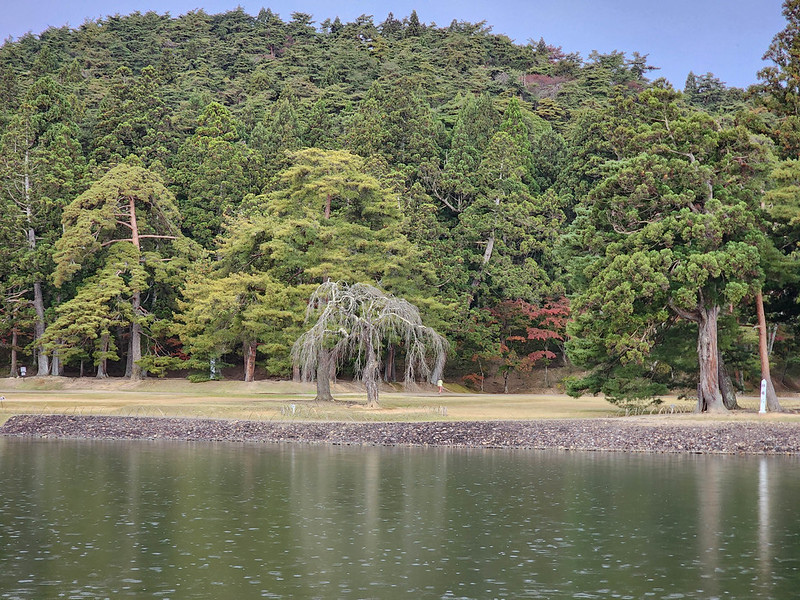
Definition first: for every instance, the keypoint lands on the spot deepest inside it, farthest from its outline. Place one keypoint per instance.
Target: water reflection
(92, 519)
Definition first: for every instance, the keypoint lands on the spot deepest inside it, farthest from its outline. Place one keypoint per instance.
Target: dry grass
(283, 400)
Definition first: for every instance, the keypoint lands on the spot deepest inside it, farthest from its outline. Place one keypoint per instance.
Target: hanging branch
(353, 322)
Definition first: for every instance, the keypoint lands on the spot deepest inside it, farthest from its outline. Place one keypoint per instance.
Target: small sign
(763, 409)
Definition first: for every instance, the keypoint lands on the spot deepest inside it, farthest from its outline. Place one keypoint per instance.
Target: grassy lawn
(283, 400)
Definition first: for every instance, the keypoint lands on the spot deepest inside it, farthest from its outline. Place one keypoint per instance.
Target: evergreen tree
(280, 131)
(132, 120)
(126, 217)
(213, 171)
(41, 169)
(672, 232)
(247, 310)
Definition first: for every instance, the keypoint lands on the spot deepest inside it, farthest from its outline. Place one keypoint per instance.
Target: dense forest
(172, 191)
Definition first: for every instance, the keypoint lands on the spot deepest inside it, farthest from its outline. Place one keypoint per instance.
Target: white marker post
(763, 409)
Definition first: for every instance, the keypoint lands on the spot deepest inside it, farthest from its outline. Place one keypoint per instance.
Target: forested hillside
(172, 189)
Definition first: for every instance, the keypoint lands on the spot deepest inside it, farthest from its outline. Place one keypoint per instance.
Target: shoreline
(605, 435)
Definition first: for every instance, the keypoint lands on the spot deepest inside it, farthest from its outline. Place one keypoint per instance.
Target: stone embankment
(620, 435)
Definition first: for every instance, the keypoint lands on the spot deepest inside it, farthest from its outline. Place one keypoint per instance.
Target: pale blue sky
(725, 37)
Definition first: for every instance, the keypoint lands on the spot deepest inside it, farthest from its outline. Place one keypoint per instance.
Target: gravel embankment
(621, 435)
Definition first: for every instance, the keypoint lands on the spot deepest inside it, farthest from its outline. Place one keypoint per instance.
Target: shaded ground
(626, 435)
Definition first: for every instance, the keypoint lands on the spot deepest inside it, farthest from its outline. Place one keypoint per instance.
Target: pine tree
(248, 310)
(128, 217)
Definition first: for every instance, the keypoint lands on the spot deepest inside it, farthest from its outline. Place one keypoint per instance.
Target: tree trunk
(43, 367)
(505, 381)
(55, 364)
(370, 375)
(135, 354)
(14, 336)
(296, 374)
(249, 350)
(546, 376)
(102, 365)
(39, 326)
(487, 254)
(136, 302)
(324, 376)
(772, 398)
(709, 396)
(725, 384)
(390, 370)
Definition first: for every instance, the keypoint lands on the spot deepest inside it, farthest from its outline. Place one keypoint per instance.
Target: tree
(671, 232)
(280, 131)
(528, 334)
(85, 325)
(132, 120)
(127, 216)
(515, 227)
(246, 309)
(781, 80)
(213, 171)
(354, 321)
(456, 185)
(330, 218)
(41, 169)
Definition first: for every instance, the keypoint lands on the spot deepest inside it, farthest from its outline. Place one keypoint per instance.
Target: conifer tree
(41, 170)
(671, 232)
(213, 171)
(129, 217)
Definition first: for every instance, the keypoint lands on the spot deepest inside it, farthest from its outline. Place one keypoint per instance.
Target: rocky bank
(619, 435)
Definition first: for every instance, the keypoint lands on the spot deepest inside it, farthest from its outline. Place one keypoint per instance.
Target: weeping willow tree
(352, 322)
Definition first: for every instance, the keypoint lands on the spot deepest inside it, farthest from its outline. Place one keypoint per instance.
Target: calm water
(169, 520)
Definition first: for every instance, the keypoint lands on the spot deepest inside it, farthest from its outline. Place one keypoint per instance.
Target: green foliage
(448, 165)
(212, 172)
(221, 313)
(671, 231)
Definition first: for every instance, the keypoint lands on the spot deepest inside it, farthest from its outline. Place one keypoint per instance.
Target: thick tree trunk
(249, 350)
(55, 364)
(324, 376)
(127, 352)
(14, 340)
(370, 375)
(725, 384)
(39, 326)
(709, 396)
(763, 352)
(296, 374)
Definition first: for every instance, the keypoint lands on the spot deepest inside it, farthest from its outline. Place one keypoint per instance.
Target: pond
(83, 519)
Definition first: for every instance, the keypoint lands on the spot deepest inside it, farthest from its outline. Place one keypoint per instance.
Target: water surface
(83, 519)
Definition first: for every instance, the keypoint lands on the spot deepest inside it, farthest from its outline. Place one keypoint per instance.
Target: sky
(725, 37)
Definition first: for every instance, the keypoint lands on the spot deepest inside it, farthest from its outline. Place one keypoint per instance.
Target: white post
(763, 409)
